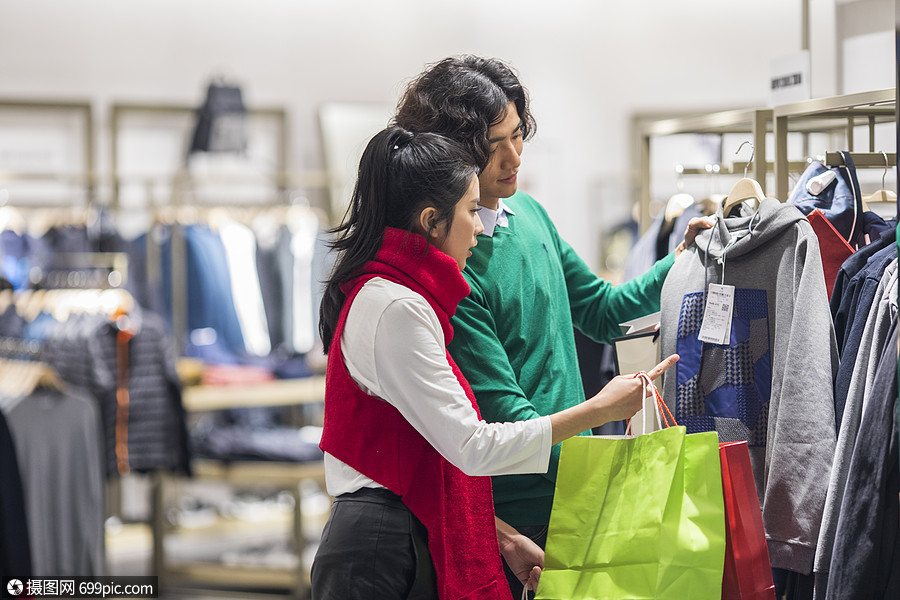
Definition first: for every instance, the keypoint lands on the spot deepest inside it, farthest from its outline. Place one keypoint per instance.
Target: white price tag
(716, 326)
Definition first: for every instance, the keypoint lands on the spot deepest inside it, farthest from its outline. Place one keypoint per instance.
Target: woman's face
(465, 227)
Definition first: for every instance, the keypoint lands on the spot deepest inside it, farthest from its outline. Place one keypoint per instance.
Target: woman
(403, 436)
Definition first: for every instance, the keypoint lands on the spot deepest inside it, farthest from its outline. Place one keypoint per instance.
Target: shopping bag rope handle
(660, 403)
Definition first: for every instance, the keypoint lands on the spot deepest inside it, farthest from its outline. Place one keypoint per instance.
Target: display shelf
(281, 392)
(258, 472)
(205, 575)
(235, 576)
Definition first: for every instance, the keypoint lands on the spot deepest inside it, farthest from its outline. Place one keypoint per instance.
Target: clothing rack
(861, 160)
(18, 348)
(756, 122)
(823, 115)
(830, 114)
(85, 270)
(178, 263)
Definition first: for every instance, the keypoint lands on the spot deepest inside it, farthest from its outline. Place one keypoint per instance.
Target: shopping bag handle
(662, 410)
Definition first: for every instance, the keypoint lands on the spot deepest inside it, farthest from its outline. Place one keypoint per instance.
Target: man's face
(499, 178)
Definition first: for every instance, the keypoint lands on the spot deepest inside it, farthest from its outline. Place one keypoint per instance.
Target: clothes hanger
(882, 195)
(745, 189)
(6, 298)
(679, 201)
(21, 377)
(677, 205)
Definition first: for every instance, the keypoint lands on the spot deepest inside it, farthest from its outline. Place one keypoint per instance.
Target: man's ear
(427, 222)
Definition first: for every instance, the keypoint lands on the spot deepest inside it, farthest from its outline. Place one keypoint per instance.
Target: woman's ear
(427, 222)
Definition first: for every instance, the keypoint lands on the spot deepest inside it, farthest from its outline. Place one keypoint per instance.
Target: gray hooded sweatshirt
(772, 383)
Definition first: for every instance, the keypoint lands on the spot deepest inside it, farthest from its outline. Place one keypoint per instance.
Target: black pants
(373, 548)
(538, 535)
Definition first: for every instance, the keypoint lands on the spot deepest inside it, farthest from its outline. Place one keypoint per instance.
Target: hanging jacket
(866, 558)
(838, 197)
(881, 319)
(772, 384)
(372, 436)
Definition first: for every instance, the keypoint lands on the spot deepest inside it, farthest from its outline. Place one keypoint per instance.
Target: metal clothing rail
(830, 114)
(862, 160)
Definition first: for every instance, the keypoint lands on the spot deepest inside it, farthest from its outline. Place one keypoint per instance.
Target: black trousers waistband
(374, 495)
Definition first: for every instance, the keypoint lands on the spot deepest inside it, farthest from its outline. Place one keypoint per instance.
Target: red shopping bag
(748, 572)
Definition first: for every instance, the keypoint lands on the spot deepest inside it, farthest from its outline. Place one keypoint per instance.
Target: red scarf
(372, 436)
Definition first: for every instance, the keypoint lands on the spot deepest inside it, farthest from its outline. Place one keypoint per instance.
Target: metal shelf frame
(83, 108)
(756, 122)
(829, 114)
(119, 110)
(822, 115)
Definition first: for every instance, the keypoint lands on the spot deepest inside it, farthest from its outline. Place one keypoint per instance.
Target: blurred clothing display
(58, 448)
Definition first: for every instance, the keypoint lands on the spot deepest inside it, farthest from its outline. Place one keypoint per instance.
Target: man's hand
(695, 226)
(523, 557)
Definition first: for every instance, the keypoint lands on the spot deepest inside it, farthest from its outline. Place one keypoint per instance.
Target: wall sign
(789, 79)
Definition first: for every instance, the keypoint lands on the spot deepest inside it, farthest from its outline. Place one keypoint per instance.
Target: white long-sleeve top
(393, 348)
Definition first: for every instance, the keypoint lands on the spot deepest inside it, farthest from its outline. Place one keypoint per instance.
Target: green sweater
(514, 340)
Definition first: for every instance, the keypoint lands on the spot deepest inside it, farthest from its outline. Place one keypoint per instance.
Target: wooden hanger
(745, 189)
(677, 205)
(7, 297)
(11, 219)
(879, 196)
(882, 195)
(22, 377)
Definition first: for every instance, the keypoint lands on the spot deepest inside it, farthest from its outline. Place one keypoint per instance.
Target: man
(513, 335)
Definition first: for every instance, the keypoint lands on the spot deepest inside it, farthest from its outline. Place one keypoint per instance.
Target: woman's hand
(624, 395)
(523, 557)
(619, 399)
(695, 226)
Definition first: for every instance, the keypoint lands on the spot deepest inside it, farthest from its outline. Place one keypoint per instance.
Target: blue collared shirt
(491, 219)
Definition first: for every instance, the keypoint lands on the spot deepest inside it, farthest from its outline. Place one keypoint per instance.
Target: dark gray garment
(322, 265)
(680, 226)
(15, 548)
(644, 254)
(878, 324)
(284, 260)
(11, 324)
(242, 442)
(83, 351)
(866, 558)
(57, 438)
(857, 310)
(270, 285)
(846, 284)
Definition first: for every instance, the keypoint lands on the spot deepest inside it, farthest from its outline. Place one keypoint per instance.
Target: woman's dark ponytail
(400, 173)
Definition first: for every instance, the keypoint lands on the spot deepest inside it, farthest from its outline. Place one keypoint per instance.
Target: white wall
(589, 64)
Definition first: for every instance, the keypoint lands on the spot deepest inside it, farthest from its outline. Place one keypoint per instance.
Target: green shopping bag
(637, 519)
